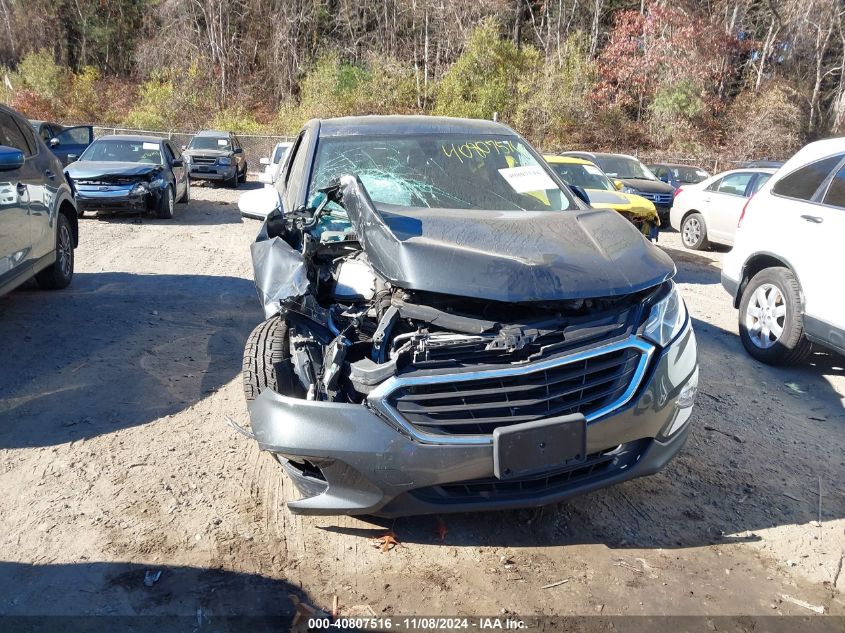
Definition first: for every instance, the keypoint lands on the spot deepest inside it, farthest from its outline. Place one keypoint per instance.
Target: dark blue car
(130, 174)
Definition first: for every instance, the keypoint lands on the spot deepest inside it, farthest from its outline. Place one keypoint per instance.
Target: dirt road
(116, 459)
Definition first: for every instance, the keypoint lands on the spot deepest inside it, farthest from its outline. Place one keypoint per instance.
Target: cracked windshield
(491, 173)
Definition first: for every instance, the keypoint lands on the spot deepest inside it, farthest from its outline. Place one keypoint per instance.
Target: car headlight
(224, 160)
(666, 318)
(627, 189)
(140, 189)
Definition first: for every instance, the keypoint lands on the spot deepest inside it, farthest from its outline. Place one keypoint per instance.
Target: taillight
(678, 190)
(742, 215)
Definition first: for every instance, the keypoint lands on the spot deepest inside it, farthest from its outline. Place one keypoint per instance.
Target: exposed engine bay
(350, 326)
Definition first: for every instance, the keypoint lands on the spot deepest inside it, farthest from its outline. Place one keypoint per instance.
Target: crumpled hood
(600, 196)
(648, 186)
(92, 169)
(505, 256)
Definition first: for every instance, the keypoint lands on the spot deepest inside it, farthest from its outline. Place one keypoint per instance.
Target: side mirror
(581, 193)
(178, 163)
(10, 158)
(54, 142)
(264, 160)
(259, 202)
(238, 150)
(618, 184)
(72, 157)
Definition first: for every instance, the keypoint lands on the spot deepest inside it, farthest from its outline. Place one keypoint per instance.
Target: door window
(735, 184)
(168, 152)
(835, 195)
(761, 180)
(11, 134)
(803, 183)
(75, 136)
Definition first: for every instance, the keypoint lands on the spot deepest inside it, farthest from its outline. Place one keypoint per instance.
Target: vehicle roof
(397, 124)
(213, 133)
(819, 149)
(673, 165)
(131, 137)
(569, 160)
(755, 170)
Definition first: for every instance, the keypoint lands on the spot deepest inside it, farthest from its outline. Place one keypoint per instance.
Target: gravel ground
(116, 458)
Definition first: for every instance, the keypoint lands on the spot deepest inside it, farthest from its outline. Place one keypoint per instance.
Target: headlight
(627, 189)
(666, 318)
(140, 189)
(224, 160)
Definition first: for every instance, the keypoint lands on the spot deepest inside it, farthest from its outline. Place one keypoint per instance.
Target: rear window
(803, 183)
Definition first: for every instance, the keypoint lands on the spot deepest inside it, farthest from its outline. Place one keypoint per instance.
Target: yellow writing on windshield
(474, 150)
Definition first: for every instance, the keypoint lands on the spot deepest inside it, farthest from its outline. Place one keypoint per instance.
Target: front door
(15, 244)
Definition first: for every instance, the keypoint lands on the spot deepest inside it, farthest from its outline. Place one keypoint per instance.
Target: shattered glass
(445, 171)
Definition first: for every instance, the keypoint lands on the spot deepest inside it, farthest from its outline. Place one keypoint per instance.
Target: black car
(631, 176)
(449, 328)
(679, 175)
(67, 143)
(130, 174)
(38, 226)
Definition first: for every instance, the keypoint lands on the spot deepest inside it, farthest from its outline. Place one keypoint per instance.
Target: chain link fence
(255, 146)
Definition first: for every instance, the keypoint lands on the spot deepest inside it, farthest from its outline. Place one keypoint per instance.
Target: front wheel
(267, 363)
(771, 318)
(694, 232)
(59, 274)
(166, 204)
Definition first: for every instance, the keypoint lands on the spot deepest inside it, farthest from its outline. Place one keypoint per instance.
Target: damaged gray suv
(450, 328)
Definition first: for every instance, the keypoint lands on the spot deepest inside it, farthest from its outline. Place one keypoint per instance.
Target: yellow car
(603, 194)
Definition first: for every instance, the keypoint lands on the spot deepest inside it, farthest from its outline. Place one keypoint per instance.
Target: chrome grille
(661, 199)
(592, 383)
(203, 160)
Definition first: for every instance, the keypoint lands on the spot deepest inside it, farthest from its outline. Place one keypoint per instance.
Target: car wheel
(186, 197)
(771, 322)
(80, 212)
(233, 181)
(694, 232)
(166, 204)
(59, 274)
(243, 174)
(267, 361)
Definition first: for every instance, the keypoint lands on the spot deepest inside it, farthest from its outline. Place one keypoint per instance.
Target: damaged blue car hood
(92, 169)
(505, 256)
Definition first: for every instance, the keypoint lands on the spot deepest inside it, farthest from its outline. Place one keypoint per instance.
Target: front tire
(771, 318)
(267, 362)
(59, 274)
(694, 232)
(166, 204)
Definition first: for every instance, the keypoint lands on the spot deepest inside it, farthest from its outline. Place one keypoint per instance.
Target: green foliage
(84, 99)
(236, 119)
(154, 111)
(486, 78)
(678, 99)
(40, 73)
(555, 96)
(337, 88)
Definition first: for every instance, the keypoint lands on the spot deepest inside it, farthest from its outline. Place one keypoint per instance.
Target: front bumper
(370, 467)
(212, 172)
(115, 201)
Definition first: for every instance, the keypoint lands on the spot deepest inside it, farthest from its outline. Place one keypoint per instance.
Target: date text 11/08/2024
(418, 623)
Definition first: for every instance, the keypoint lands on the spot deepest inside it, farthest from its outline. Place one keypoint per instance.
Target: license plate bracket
(532, 448)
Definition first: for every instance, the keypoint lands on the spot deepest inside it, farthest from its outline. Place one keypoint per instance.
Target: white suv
(784, 272)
